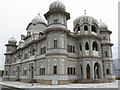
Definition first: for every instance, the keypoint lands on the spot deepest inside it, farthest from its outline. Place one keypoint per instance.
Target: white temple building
(52, 54)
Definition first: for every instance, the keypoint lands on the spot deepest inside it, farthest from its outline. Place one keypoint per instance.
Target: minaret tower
(56, 49)
(106, 51)
(11, 47)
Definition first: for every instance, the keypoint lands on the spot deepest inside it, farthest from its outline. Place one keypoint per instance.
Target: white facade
(52, 54)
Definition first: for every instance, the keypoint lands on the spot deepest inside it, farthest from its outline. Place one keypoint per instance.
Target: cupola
(57, 5)
(12, 40)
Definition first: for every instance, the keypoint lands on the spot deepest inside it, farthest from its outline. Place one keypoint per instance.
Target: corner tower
(11, 47)
(106, 47)
(56, 38)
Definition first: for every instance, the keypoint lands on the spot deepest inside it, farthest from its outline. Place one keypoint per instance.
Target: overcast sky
(15, 15)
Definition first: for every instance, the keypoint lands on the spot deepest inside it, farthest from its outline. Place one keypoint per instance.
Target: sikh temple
(49, 53)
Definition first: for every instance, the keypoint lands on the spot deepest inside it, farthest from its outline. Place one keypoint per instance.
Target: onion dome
(12, 40)
(38, 19)
(102, 25)
(85, 19)
(57, 5)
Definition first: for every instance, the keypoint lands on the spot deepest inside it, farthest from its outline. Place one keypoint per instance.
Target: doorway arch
(88, 71)
(97, 70)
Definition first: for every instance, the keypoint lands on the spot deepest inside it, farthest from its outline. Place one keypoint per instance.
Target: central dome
(57, 5)
(85, 19)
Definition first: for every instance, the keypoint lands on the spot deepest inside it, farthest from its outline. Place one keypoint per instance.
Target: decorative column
(92, 71)
(84, 70)
(101, 72)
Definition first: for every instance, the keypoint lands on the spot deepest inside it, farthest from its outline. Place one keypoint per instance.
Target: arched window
(78, 29)
(93, 29)
(41, 33)
(86, 46)
(85, 27)
(95, 46)
(55, 43)
(88, 71)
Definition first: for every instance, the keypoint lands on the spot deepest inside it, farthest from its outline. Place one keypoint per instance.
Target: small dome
(57, 5)
(38, 19)
(102, 25)
(12, 40)
(85, 19)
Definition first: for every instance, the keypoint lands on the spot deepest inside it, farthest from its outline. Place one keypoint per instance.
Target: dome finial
(100, 20)
(85, 12)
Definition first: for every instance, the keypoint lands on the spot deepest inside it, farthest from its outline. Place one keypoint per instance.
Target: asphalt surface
(7, 88)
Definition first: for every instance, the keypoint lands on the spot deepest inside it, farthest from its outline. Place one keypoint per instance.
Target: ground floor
(61, 70)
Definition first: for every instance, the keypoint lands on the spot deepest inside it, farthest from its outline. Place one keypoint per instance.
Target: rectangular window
(33, 52)
(6, 73)
(55, 70)
(71, 70)
(43, 50)
(107, 71)
(13, 72)
(15, 59)
(7, 61)
(106, 54)
(74, 71)
(24, 72)
(68, 71)
(26, 56)
(80, 47)
(68, 48)
(55, 43)
(42, 71)
(71, 48)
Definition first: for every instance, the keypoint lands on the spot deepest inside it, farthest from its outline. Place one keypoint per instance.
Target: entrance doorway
(97, 70)
(88, 71)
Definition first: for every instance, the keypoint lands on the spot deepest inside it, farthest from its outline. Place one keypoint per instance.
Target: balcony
(86, 52)
(95, 53)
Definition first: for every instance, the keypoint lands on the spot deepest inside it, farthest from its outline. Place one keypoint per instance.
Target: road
(7, 88)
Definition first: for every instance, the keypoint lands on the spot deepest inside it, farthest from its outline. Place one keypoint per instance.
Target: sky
(15, 15)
